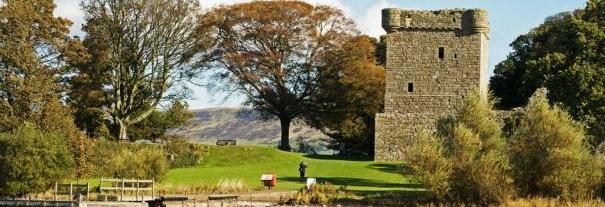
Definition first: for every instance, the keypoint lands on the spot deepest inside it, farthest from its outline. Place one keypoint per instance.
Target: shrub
(31, 161)
(549, 155)
(129, 160)
(429, 164)
(467, 163)
(183, 153)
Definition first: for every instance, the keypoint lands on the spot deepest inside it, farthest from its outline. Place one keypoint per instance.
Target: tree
(350, 96)
(31, 161)
(549, 156)
(274, 53)
(155, 126)
(565, 55)
(476, 166)
(144, 47)
(33, 43)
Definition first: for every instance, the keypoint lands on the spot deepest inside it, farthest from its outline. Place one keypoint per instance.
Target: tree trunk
(123, 133)
(285, 134)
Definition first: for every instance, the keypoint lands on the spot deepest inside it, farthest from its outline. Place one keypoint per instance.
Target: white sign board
(311, 182)
(266, 177)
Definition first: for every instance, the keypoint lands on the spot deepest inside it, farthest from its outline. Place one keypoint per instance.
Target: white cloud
(370, 22)
(71, 10)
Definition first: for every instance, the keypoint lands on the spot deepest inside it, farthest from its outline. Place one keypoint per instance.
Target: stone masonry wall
(433, 59)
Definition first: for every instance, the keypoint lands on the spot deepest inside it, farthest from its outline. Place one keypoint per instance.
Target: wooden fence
(71, 190)
(122, 185)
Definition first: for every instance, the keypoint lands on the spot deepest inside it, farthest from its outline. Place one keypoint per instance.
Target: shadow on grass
(338, 157)
(390, 168)
(357, 182)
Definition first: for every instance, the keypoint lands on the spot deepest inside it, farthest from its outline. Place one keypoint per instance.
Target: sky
(508, 19)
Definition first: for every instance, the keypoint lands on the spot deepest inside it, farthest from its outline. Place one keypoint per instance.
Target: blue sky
(508, 19)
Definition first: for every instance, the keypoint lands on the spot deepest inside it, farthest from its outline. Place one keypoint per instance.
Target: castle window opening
(455, 56)
(441, 53)
(410, 87)
(454, 19)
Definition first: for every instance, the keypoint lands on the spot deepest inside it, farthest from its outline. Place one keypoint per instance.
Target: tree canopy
(140, 51)
(350, 96)
(275, 53)
(31, 64)
(566, 55)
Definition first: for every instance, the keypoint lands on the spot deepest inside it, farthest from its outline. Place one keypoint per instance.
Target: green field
(249, 162)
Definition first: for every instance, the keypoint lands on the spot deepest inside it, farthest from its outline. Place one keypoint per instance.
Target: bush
(31, 161)
(429, 163)
(549, 154)
(184, 154)
(467, 163)
(129, 160)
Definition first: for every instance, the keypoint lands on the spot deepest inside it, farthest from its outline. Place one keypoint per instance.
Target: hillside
(244, 125)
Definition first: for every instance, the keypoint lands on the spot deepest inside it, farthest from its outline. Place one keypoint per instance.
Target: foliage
(129, 160)
(274, 52)
(429, 163)
(549, 156)
(142, 48)
(183, 153)
(154, 127)
(349, 97)
(33, 42)
(319, 194)
(31, 161)
(470, 157)
(81, 148)
(565, 55)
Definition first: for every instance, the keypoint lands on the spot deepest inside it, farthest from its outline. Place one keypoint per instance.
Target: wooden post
(71, 195)
(122, 194)
(55, 193)
(152, 188)
(87, 191)
(137, 194)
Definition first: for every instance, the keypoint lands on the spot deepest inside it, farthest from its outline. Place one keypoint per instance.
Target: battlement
(466, 20)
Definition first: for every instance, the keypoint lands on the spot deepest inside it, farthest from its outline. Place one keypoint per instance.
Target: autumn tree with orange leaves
(350, 96)
(276, 53)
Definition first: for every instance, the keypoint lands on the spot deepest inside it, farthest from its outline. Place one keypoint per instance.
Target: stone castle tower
(433, 59)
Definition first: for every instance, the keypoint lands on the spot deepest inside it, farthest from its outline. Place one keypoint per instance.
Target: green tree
(155, 126)
(472, 157)
(31, 161)
(274, 52)
(141, 51)
(350, 96)
(549, 155)
(565, 55)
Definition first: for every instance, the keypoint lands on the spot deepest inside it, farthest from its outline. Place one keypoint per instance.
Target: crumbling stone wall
(433, 59)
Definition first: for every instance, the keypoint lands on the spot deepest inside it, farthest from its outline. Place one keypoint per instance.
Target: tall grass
(223, 186)
(320, 194)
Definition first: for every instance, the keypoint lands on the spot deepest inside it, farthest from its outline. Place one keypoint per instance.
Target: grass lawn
(249, 162)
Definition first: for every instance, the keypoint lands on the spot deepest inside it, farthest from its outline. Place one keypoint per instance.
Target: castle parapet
(471, 21)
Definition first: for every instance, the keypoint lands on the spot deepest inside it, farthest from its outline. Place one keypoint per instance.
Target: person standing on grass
(302, 168)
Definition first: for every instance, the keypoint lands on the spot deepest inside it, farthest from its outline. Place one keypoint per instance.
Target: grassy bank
(249, 162)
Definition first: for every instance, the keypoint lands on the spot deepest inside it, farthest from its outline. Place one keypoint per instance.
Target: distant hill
(244, 125)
